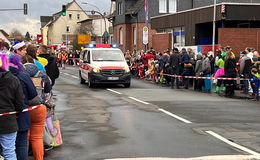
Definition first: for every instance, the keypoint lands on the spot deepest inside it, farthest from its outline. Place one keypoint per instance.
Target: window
(70, 16)
(135, 35)
(78, 16)
(119, 8)
(67, 28)
(172, 6)
(162, 6)
(121, 42)
(179, 36)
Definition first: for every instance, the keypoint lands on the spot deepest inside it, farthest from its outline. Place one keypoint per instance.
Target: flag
(146, 11)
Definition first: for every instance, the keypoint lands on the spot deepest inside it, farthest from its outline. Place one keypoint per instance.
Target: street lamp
(105, 34)
(214, 26)
(91, 5)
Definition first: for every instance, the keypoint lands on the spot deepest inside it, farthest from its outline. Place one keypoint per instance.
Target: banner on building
(145, 36)
(84, 39)
(146, 11)
(39, 39)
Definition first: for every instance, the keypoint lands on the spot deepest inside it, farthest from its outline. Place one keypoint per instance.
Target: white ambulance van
(103, 64)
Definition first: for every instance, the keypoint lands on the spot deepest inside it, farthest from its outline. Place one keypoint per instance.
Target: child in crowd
(255, 83)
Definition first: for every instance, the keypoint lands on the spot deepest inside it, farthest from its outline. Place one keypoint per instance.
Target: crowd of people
(19, 65)
(208, 69)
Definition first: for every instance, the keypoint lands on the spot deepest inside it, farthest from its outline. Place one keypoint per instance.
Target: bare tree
(16, 35)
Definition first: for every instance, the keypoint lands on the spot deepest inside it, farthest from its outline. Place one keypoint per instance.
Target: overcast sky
(37, 8)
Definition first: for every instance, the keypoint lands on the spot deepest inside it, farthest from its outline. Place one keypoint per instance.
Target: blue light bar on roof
(114, 46)
(91, 45)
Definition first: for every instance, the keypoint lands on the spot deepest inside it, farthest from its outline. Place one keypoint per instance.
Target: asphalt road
(149, 120)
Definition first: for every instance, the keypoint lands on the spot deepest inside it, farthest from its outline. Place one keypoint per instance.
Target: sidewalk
(238, 94)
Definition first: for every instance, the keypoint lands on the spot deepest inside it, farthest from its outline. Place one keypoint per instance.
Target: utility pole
(214, 26)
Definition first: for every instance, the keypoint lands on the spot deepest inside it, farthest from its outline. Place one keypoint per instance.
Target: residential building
(128, 20)
(95, 26)
(237, 24)
(64, 29)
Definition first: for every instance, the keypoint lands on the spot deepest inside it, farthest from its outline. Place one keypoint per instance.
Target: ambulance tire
(127, 85)
(82, 81)
(90, 84)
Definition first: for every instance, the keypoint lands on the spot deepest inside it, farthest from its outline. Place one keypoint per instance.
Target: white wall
(99, 26)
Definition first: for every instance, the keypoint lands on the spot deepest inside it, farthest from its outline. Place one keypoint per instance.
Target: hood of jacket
(49, 57)
(31, 68)
(257, 75)
(4, 79)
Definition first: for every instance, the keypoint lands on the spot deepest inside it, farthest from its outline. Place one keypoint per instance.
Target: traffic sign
(145, 35)
(84, 39)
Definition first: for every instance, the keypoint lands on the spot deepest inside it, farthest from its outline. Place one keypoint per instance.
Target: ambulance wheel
(127, 85)
(90, 84)
(82, 81)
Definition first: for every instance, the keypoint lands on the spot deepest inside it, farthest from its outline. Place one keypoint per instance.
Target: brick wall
(128, 36)
(161, 42)
(239, 38)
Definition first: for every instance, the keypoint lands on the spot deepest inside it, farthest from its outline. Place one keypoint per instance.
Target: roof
(136, 7)
(112, 15)
(91, 18)
(59, 13)
(46, 18)
(4, 33)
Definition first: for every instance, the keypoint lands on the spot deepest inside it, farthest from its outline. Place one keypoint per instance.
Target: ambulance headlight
(127, 70)
(96, 70)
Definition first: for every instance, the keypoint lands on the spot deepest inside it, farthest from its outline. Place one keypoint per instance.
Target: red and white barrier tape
(195, 77)
(25, 110)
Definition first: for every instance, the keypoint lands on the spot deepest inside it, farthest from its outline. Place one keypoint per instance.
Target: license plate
(112, 78)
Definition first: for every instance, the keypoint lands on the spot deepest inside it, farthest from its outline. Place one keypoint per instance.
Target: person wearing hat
(29, 91)
(20, 48)
(11, 100)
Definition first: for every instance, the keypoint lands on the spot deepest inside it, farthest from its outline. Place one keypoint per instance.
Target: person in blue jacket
(255, 83)
(29, 91)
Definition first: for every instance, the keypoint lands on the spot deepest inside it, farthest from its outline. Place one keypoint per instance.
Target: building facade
(128, 20)
(194, 25)
(64, 29)
(95, 26)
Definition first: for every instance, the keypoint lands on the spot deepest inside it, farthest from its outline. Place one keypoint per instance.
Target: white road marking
(233, 144)
(139, 100)
(67, 74)
(218, 157)
(174, 116)
(74, 77)
(111, 90)
(81, 121)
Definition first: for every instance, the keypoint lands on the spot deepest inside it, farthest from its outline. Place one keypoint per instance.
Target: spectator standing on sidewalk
(31, 51)
(206, 72)
(199, 83)
(11, 99)
(52, 69)
(175, 61)
(185, 61)
(249, 53)
(245, 70)
(38, 115)
(255, 83)
(230, 72)
(30, 93)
